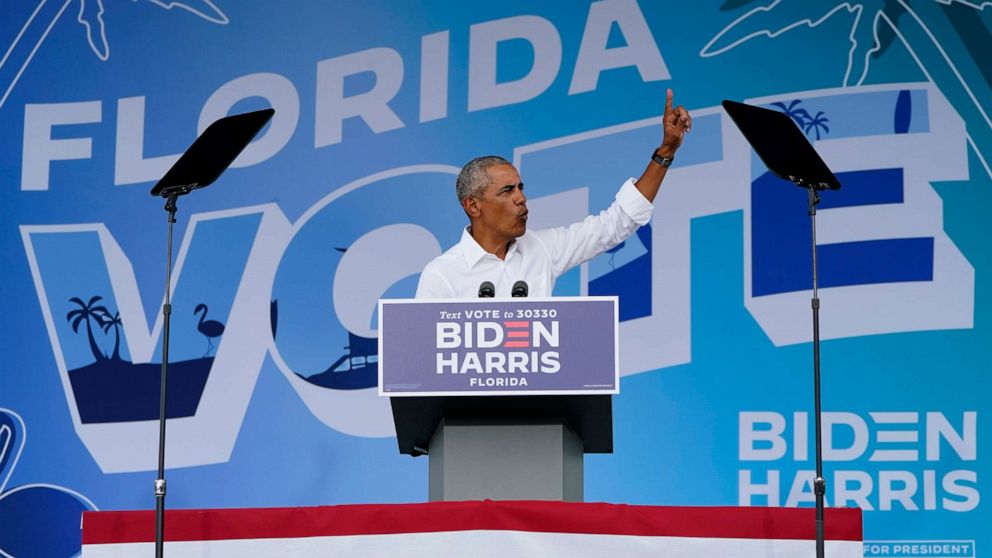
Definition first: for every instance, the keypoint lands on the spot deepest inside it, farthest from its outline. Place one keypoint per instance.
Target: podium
(505, 396)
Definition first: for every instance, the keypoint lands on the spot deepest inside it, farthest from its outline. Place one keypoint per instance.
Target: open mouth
(523, 215)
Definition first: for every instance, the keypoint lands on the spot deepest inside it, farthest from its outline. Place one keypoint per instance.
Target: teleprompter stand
(198, 167)
(787, 153)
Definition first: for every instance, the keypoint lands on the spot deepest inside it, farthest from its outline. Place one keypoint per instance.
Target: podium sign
(517, 346)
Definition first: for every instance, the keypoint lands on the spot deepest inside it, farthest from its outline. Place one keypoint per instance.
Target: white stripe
(33, 51)
(20, 33)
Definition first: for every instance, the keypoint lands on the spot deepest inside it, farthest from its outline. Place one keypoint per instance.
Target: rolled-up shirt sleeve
(634, 204)
(572, 245)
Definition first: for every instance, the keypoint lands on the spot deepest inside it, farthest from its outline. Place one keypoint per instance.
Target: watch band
(663, 161)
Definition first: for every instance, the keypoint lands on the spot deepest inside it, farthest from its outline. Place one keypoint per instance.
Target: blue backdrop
(349, 191)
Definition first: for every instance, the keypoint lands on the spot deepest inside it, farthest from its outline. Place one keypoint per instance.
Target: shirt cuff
(634, 204)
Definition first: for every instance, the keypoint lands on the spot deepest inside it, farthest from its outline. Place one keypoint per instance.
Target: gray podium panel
(417, 418)
(505, 460)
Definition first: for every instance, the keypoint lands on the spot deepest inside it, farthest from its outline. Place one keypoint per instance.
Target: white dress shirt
(537, 257)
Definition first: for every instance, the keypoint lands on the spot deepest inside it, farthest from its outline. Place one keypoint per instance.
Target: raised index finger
(668, 101)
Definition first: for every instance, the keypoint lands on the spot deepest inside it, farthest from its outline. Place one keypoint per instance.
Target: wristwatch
(663, 161)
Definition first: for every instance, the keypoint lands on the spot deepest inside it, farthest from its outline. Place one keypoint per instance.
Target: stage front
(478, 529)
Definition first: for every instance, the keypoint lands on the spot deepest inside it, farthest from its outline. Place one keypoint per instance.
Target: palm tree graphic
(113, 322)
(815, 123)
(794, 111)
(86, 312)
(803, 119)
(89, 14)
(941, 36)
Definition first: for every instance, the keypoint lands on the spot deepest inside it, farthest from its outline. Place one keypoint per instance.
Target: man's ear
(471, 206)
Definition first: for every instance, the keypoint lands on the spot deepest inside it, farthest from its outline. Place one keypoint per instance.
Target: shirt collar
(470, 249)
(473, 253)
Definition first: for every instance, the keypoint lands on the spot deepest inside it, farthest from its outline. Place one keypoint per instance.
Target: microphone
(487, 289)
(519, 289)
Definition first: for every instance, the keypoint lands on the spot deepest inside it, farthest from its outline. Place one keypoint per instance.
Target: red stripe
(517, 333)
(517, 344)
(551, 517)
(516, 324)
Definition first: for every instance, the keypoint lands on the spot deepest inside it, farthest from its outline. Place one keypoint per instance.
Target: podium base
(472, 459)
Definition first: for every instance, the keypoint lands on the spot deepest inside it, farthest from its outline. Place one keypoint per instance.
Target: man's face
(502, 209)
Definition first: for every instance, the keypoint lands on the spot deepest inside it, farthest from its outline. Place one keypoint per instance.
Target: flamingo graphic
(211, 329)
(34, 516)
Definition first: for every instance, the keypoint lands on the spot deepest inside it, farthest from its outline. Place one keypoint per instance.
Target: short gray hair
(474, 177)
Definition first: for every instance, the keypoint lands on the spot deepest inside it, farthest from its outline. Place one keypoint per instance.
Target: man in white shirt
(496, 246)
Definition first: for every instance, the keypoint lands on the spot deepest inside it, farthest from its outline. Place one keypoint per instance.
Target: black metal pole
(819, 484)
(170, 207)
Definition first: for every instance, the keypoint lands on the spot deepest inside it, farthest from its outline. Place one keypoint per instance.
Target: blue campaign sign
(521, 346)
(348, 192)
